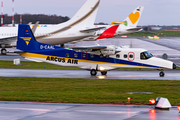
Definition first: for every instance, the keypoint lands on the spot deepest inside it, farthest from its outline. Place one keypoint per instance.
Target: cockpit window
(145, 55)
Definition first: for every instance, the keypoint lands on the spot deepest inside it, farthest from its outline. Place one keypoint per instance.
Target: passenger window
(125, 55)
(75, 55)
(130, 56)
(84, 55)
(92, 56)
(117, 56)
(67, 54)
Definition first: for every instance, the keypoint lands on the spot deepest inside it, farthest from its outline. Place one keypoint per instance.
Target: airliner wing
(92, 29)
(89, 48)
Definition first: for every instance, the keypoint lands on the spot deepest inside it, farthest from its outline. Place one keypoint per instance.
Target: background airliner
(80, 26)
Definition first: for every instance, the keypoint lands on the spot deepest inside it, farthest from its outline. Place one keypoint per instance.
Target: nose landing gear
(161, 74)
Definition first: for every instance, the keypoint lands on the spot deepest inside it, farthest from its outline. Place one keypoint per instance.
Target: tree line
(26, 18)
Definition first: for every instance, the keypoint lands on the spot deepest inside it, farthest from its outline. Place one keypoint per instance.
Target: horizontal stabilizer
(135, 29)
(92, 29)
(117, 22)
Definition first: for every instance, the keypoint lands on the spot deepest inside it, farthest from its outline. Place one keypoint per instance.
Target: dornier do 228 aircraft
(94, 58)
(80, 26)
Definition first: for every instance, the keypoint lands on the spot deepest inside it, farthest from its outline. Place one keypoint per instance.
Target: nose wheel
(161, 74)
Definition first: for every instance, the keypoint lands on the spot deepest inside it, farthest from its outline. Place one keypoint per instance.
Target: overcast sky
(156, 12)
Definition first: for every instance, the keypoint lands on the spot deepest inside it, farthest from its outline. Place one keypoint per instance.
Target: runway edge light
(152, 101)
(178, 108)
(162, 103)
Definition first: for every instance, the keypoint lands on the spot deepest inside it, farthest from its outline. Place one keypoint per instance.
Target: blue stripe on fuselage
(61, 52)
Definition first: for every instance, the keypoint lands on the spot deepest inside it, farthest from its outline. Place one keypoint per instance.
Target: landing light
(152, 101)
(178, 108)
(101, 68)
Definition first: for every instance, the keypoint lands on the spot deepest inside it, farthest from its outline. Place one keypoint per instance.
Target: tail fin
(86, 15)
(132, 20)
(27, 42)
(108, 33)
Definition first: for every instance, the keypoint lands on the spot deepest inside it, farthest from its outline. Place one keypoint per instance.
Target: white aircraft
(93, 58)
(129, 25)
(79, 27)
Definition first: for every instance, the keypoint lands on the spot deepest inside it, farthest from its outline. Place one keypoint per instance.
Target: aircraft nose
(174, 66)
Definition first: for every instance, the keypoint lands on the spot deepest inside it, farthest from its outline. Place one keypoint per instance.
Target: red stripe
(108, 33)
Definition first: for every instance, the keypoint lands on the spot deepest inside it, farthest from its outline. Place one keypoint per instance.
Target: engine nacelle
(110, 50)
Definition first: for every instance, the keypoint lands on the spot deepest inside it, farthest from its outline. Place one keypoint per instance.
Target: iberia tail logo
(26, 39)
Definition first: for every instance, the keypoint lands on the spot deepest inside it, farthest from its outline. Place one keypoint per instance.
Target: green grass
(35, 65)
(61, 90)
(158, 33)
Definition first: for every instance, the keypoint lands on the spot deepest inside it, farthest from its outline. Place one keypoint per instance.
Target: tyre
(3, 51)
(93, 72)
(104, 73)
(161, 74)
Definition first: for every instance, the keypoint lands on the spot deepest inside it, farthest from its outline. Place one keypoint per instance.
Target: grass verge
(61, 90)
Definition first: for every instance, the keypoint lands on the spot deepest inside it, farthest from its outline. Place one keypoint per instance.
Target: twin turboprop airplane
(94, 58)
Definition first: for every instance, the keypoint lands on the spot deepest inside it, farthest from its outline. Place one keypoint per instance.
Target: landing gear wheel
(3, 51)
(161, 74)
(93, 72)
(104, 73)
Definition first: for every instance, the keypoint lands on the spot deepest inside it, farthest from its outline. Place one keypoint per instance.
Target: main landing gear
(3, 51)
(94, 72)
(161, 74)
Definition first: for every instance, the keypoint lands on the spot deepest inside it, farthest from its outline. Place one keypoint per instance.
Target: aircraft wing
(89, 48)
(92, 29)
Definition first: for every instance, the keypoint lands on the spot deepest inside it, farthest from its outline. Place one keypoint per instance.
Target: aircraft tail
(86, 15)
(132, 20)
(27, 42)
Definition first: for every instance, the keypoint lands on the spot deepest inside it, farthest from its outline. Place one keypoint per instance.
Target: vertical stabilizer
(27, 42)
(132, 20)
(86, 15)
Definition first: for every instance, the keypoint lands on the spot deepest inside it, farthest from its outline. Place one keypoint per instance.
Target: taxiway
(55, 111)
(45, 73)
